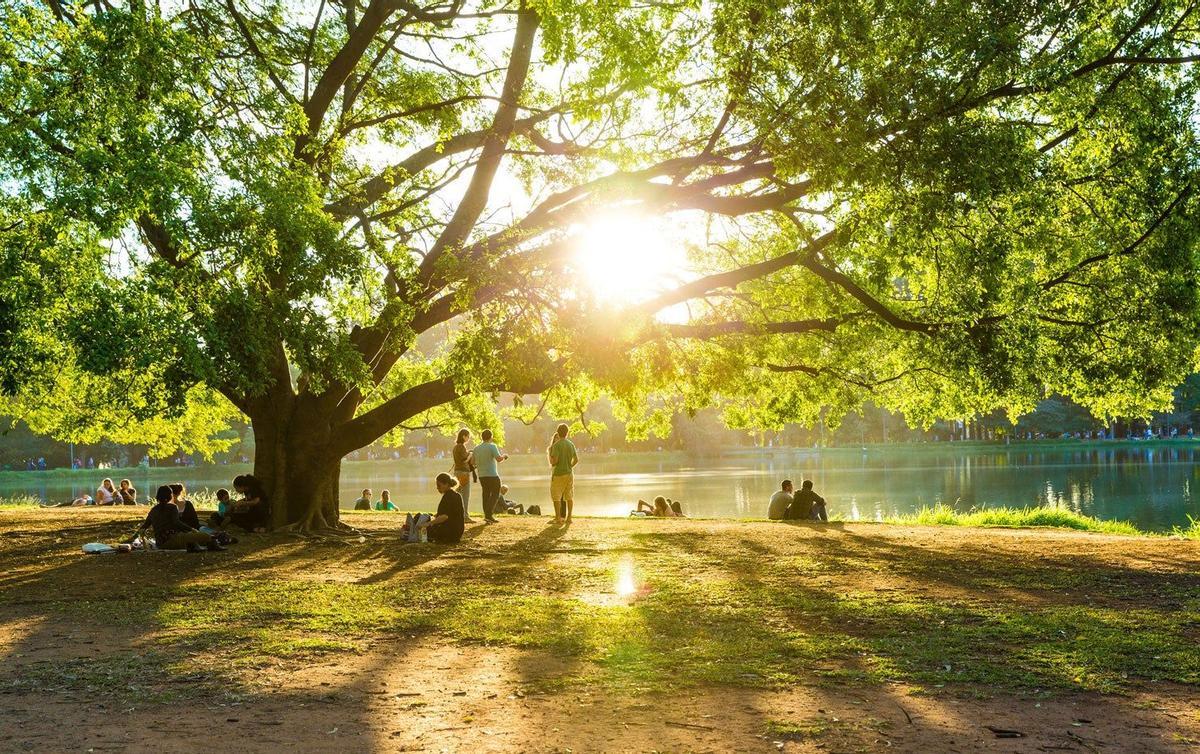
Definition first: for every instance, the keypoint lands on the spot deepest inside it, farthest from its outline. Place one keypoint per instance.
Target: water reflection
(1149, 485)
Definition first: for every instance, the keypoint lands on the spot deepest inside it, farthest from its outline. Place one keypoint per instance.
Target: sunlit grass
(942, 515)
(664, 606)
(1192, 531)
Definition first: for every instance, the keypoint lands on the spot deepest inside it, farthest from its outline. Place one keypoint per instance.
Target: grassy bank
(609, 609)
(647, 605)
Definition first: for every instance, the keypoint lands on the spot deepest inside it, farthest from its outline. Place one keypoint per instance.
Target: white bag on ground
(416, 530)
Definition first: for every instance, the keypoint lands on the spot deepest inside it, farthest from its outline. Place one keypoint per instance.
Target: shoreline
(1028, 519)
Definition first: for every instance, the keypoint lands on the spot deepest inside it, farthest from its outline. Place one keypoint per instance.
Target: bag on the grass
(416, 532)
(98, 548)
(534, 510)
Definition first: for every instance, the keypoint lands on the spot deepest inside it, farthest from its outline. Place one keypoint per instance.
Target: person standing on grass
(464, 467)
(488, 458)
(563, 458)
(780, 501)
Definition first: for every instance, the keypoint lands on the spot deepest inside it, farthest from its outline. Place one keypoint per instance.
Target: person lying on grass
(170, 532)
(446, 527)
(79, 502)
(662, 508)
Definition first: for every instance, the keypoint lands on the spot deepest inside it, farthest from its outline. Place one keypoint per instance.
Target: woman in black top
(447, 526)
(187, 511)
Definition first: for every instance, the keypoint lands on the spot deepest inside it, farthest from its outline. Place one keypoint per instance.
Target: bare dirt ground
(429, 692)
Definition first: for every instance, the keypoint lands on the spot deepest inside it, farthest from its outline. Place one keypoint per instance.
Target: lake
(1147, 484)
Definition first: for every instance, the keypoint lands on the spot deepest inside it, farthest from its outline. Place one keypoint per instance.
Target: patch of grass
(788, 731)
(943, 515)
(1192, 531)
(143, 677)
(19, 501)
(710, 604)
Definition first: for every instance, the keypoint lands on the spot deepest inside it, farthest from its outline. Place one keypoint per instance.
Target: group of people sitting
(800, 505)
(106, 494)
(176, 523)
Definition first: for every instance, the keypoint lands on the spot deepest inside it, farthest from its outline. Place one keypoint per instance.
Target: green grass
(1192, 531)
(942, 515)
(752, 605)
(19, 501)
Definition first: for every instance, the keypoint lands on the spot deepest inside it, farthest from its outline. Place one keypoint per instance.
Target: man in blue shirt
(488, 458)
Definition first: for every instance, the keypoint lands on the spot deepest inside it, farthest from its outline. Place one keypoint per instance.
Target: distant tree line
(703, 433)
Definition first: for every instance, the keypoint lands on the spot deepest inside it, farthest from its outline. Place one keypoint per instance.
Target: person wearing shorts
(563, 458)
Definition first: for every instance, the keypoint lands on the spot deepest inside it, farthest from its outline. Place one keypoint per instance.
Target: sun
(627, 258)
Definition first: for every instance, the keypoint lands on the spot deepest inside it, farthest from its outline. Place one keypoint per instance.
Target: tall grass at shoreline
(1058, 518)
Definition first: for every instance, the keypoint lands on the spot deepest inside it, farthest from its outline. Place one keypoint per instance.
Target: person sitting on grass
(218, 519)
(385, 502)
(107, 493)
(126, 493)
(446, 526)
(777, 508)
(806, 505)
(504, 505)
(364, 502)
(253, 511)
(170, 532)
(187, 511)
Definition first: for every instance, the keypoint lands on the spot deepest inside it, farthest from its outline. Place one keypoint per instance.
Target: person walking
(464, 468)
(488, 458)
(563, 458)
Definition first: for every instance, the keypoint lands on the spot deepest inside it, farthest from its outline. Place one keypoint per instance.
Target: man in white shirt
(780, 501)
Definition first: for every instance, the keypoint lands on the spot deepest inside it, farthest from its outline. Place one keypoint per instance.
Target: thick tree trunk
(293, 460)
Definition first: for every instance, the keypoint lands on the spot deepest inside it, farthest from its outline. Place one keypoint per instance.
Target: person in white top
(780, 501)
(107, 494)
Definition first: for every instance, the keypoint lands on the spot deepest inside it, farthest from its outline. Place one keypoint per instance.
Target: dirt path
(472, 699)
(421, 691)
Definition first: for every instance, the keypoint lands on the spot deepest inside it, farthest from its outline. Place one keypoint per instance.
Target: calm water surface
(1149, 485)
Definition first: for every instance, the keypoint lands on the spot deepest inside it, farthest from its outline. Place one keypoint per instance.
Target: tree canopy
(344, 218)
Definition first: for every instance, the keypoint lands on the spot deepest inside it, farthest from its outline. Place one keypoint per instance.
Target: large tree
(949, 207)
